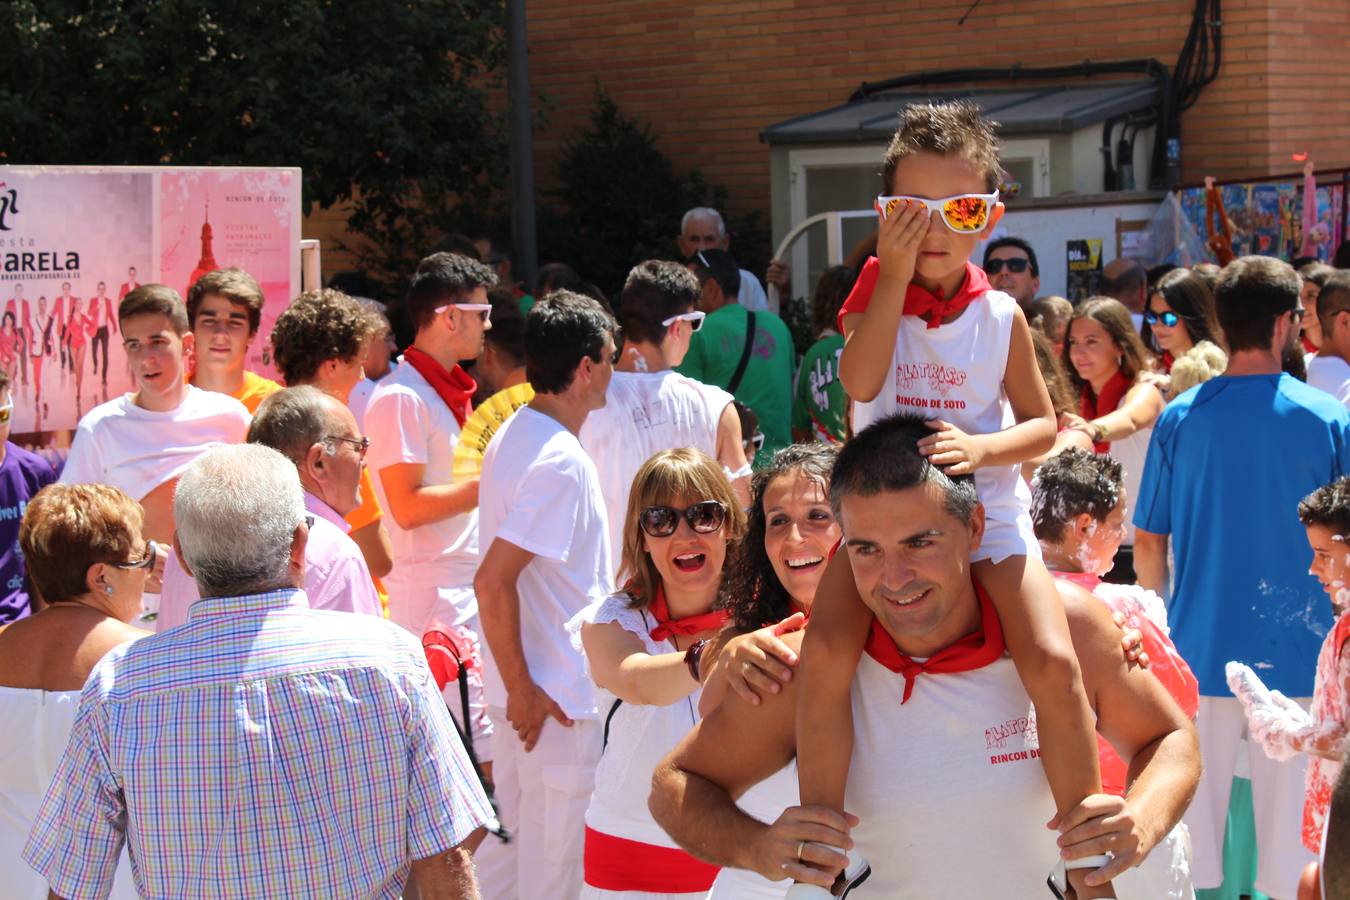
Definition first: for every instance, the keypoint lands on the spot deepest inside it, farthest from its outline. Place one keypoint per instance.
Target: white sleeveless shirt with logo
(955, 373)
(949, 788)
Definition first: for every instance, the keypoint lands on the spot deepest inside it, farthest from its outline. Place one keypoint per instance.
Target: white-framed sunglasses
(8, 409)
(962, 213)
(484, 310)
(695, 320)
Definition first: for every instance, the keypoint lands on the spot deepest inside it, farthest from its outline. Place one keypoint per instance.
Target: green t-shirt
(821, 407)
(766, 386)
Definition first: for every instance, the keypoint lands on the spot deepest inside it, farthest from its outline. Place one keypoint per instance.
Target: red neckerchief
(974, 651)
(1167, 360)
(932, 308)
(456, 387)
(667, 627)
(1094, 407)
(1308, 346)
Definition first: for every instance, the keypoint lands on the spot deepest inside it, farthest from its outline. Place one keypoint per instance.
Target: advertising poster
(1326, 229)
(1085, 269)
(74, 240)
(1267, 217)
(217, 218)
(70, 243)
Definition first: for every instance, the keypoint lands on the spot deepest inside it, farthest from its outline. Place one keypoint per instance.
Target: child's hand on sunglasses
(898, 241)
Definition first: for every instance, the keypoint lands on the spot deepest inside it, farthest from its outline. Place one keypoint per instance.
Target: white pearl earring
(108, 590)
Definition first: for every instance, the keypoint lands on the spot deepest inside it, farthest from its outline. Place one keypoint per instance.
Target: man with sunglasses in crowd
(649, 407)
(416, 415)
(545, 557)
(755, 367)
(22, 474)
(1011, 266)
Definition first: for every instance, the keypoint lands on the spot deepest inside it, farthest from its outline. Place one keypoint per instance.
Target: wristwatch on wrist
(1098, 433)
(692, 656)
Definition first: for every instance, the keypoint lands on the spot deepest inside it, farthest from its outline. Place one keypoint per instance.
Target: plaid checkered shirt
(262, 749)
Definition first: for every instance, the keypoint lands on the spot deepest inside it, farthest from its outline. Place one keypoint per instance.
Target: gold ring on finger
(801, 845)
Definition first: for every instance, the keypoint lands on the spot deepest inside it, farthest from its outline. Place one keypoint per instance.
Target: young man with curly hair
(320, 340)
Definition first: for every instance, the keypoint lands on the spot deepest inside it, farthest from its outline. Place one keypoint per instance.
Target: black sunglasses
(704, 518)
(1016, 266)
(1169, 318)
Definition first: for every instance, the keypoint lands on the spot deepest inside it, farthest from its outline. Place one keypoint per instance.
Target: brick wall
(710, 76)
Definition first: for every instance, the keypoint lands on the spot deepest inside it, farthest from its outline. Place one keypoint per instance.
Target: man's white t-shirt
(540, 491)
(137, 450)
(1330, 374)
(963, 752)
(408, 422)
(645, 413)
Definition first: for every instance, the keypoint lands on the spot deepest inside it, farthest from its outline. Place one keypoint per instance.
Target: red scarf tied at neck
(666, 627)
(974, 651)
(932, 308)
(455, 386)
(1095, 406)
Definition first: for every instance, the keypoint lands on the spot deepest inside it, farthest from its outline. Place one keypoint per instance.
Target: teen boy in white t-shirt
(649, 407)
(141, 442)
(546, 556)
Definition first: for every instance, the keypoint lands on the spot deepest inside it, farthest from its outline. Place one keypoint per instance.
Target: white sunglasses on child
(695, 320)
(962, 213)
(483, 309)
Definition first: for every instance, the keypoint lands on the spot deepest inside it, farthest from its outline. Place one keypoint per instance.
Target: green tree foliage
(390, 97)
(620, 202)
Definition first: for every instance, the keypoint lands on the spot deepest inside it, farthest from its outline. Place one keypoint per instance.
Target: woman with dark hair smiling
(642, 647)
(769, 592)
(1117, 403)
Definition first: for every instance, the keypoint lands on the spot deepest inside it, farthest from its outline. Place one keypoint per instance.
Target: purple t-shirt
(22, 474)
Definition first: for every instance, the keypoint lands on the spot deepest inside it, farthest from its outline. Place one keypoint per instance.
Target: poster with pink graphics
(75, 239)
(218, 218)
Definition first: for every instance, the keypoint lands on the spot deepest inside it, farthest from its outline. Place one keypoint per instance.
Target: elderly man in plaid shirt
(262, 749)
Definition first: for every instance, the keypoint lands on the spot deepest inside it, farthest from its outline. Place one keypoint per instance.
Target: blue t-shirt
(22, 474)
(1227, 465)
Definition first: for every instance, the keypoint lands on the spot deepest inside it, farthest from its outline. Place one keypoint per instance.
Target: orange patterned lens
(966, 214)
(891, 204)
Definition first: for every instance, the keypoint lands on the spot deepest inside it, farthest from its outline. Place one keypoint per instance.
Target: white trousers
(543, 797)
(1277, 801)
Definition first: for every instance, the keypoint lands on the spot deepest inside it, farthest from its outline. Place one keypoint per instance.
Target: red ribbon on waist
(618, 864)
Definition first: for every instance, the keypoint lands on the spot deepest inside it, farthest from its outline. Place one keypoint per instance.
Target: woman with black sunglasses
(1179, 315)
(642, 648)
